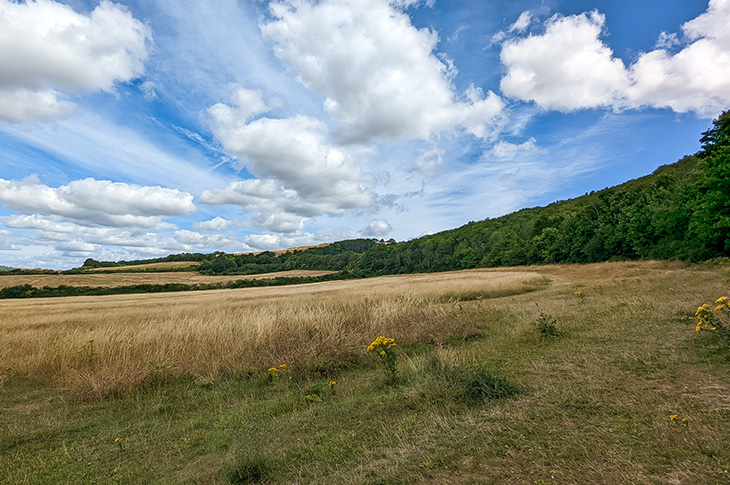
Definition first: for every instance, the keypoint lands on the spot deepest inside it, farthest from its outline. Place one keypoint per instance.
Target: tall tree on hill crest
(711, 220)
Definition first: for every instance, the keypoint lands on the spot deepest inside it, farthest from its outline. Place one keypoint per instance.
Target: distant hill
(681, 211)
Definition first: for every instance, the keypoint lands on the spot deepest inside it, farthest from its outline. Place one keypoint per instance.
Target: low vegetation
(275, 385)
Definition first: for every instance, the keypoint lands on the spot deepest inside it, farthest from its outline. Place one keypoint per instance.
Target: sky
(137, 129)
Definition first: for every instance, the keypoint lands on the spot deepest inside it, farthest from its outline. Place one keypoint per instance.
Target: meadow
(544, 374)
(107, 280)
(161, 266)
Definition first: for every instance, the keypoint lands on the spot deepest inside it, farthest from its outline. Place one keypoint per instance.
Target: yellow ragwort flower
(673, 417)
(381, 342)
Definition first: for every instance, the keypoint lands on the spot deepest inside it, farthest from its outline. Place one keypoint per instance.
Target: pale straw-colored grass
(98, 345)
(130, 279)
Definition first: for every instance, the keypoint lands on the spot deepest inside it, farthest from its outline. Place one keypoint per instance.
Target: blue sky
(136, 129)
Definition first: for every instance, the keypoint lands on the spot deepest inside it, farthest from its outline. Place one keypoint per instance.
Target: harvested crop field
(129, 279)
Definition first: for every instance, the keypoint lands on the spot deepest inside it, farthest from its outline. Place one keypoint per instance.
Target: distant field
(151, 266)
(289, 250)
(128, 279)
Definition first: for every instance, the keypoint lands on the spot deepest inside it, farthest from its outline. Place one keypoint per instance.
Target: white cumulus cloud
(566, 68)
(96, 202)
(697, 78)
(569, 67)
(381, 76)
(301, 173)
(49, 51)
(214, 225)
(377, 228)
(522, 22)
(506, 151)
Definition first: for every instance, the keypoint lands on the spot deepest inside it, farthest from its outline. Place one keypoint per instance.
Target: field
(129, 279)
(150, 266)
(275, 385)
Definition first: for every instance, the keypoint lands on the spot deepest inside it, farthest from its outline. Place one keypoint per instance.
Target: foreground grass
(590, 405)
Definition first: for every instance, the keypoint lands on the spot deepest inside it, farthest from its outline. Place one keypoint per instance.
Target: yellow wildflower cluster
(723, 304)
(675, 419)
(275, 371)
(382, 343)
(384, 347)
(706, 318)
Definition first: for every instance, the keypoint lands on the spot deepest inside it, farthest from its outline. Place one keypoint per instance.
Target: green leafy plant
(249, 469)
(479, 384)
(546, 325)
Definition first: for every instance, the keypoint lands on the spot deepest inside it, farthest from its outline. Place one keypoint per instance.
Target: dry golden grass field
(214, 331)
(174, 388)
(150, 266)
(128, 279)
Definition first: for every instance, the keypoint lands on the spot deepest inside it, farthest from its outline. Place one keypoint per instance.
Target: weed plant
(546, 325)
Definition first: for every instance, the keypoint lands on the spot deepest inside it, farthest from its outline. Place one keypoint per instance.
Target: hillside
(681, 211)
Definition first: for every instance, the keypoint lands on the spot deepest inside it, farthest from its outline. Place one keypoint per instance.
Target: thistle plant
(384, 347)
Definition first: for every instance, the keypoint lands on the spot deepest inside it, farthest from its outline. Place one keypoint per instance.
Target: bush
(249, 469)
(480, 384)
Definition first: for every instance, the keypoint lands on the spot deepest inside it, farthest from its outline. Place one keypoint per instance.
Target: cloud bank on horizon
(135, 129)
